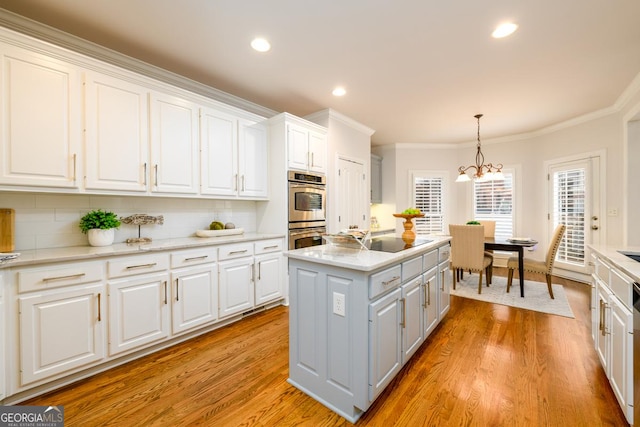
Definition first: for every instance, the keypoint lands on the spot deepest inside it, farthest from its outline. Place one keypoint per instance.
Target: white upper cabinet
(41, 126)
(234, 155)
(218, 153)
(306, 149)
(174, 145)
(253, 159)
(117, 141)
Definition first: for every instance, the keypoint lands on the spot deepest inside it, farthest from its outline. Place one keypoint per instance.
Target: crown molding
(59, 38)
(333, 114)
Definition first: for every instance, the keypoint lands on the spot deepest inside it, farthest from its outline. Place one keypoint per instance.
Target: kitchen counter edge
(78, 253)
(623, 263)
(361, 259)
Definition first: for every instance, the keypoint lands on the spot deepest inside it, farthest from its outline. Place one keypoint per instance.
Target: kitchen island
(357, 316)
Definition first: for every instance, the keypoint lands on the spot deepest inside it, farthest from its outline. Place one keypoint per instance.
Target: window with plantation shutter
(428, 190)
(493, 200)
(569, 188)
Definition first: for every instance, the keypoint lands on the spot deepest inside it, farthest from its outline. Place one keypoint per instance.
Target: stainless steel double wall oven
(307, 209)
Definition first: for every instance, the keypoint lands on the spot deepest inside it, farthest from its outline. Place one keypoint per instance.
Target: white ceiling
(416, 71)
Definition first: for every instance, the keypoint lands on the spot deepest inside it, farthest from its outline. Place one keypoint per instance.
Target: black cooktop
(394, 244)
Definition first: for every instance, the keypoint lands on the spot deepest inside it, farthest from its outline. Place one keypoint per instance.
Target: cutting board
(7, 229)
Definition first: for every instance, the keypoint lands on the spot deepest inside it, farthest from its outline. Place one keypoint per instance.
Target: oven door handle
(309, 186)
(307, 231)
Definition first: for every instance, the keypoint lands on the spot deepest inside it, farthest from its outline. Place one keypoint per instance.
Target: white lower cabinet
(194, 293)
(411, 317)
(385, 341)
(612, 330)
(138, 312)
(71, 318)
(236, 279)
(60, 331)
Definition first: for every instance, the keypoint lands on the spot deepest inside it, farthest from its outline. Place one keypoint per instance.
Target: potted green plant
(99, 226)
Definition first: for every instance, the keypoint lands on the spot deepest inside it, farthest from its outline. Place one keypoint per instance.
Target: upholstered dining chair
(543, 267)
(467, 252)
(489, 231)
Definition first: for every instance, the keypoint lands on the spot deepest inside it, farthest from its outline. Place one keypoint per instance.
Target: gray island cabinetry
(357, 316)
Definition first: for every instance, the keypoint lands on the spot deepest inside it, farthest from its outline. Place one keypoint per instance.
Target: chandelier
(484, 172)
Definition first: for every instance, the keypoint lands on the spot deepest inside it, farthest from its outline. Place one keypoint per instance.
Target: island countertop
(361, 259)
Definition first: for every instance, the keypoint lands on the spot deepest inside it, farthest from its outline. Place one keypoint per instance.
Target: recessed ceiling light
(339, 91)
(260, 44)
(504, 30)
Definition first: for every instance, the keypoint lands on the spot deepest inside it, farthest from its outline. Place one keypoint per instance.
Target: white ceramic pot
(98, 237)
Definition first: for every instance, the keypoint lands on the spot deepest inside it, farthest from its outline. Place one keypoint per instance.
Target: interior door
(574, 200)
(352, 196)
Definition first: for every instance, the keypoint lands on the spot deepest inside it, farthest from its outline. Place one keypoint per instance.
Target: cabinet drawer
(235, 251)
(430, 259)
(56, 276)
(444, 252)
(601, 270)
(622, 287)
(266, 246)
(385, 280)
(193, 257)
(142, 264)
(411, 268)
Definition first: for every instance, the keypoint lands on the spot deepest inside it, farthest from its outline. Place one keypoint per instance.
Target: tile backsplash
(51, 220)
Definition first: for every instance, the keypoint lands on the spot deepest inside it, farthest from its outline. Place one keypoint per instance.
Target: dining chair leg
(480, 283)
(549, 286)
(509, 278)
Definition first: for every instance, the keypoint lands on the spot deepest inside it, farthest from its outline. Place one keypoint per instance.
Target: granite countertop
(361, 259)
(621, 262)
(77, 253)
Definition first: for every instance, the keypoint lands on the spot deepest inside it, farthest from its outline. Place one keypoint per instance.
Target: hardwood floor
(485, 365)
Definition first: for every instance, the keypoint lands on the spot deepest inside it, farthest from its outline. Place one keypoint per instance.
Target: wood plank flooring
(485, 365)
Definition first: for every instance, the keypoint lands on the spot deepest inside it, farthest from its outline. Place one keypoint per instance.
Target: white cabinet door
(117, 141)
(138, 311)
(444, 288)
(41, 126)
(352, 195)
(317, 152)
(269, 270)
(297, 147)
(411, 317)
(430, 300)
(621, 362)
(219, 153)
(603, 346)
(385, 342)
(174, 145)
(61, 331)
(236, 286)
(253, 158)
(194, 297)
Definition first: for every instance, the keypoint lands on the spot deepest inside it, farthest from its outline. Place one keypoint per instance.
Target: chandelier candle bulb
(486, 172)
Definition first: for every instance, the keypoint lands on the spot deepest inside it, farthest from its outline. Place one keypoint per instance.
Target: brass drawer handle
(237, 252)
(196, 258)
(390, 281)
(71, 276)
(131, 267)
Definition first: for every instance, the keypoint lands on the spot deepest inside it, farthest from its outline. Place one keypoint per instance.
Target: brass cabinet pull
(429, 292)
(424, 292)
(165, 292)
(70, 276)
(259, 269)
(131, 267)
(74, 167)
(404, 312)
(442, 281)
(237, 252)
(197, 258)
(390, 281)
(270, 247)
(155, 173)
(99, 309)
(177, 290)
(144, 181)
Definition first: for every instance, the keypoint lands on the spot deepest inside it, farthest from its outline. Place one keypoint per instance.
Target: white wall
(528, 153)
(51, 220)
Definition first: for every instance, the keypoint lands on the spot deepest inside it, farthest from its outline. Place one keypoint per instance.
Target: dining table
(511, 245)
